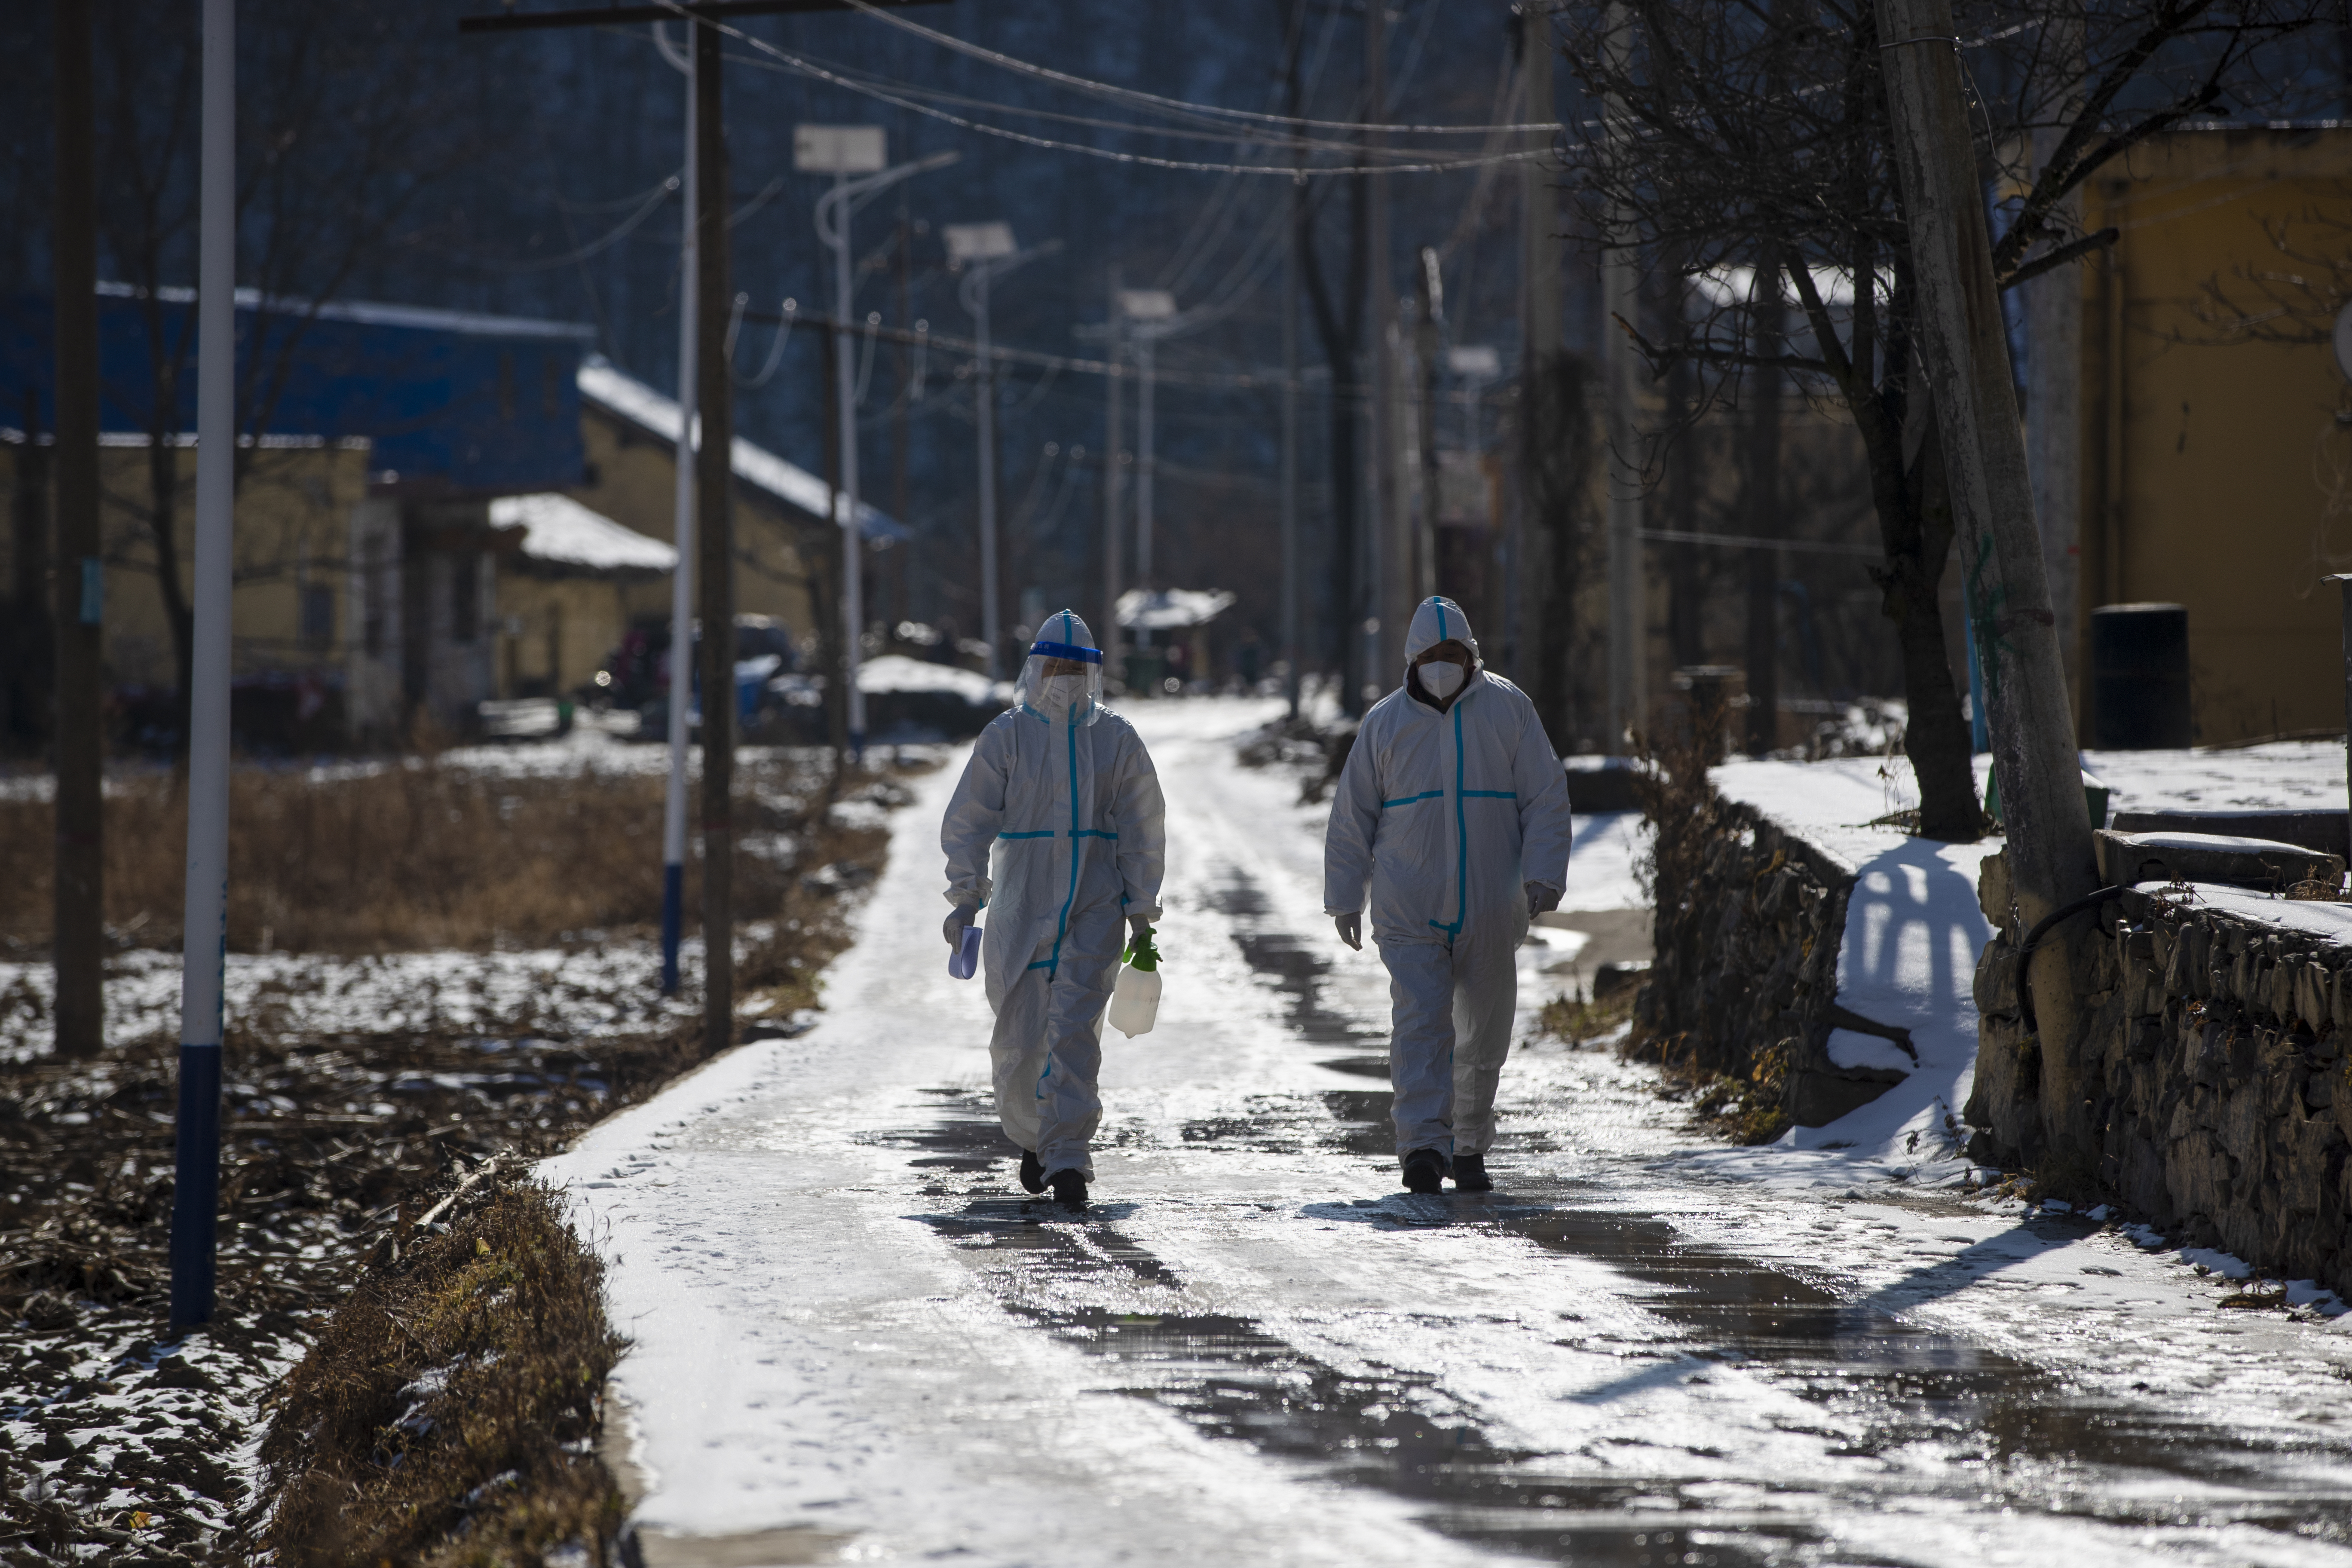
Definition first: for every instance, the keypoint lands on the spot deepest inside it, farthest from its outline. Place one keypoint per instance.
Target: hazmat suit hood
(1063, 699)
(1437, 619)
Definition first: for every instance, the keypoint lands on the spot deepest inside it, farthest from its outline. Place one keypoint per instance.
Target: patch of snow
(1608, 862)
(2286, 775)
(897, 672)
(2227, 1265)
(1849, 1050)
(560, 529)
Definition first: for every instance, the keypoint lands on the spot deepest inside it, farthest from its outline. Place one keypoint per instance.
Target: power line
(1153, 100)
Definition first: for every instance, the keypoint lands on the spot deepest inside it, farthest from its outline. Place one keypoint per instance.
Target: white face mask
(1443, 678)
(1060, 693)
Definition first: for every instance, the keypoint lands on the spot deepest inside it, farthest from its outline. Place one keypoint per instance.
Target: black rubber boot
(1424, 1171)
(1470, 1175)
(1069, 1188)
(1032, 1175)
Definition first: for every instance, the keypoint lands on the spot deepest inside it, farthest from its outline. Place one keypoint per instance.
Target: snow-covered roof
(631, 399)
(1161, 609)
(560, 529)
(897, 672)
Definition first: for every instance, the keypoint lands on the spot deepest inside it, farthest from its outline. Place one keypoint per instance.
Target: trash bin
(2139, 677)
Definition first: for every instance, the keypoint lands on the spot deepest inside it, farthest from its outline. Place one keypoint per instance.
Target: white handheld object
(1135, 1001)
(965, 959)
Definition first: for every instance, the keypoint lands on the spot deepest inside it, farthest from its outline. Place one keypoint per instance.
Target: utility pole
(1114, 435)
(1152, 311)
(681, 595)
(715, 544)
(78, 943)
(1763, 484)
(836, 657)
(1621, 294)
(1290, 679)
(1545, 555)
(985, 250)
(195, 1188)
(1392, 594)
(1966, 353)
(1427, 332)
(842, 150)
(901, 410)
(2053, 360)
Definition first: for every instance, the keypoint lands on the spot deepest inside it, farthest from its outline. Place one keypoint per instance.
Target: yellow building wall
(291, 531)
(554, 632)
(633, 478)
(2213, 461)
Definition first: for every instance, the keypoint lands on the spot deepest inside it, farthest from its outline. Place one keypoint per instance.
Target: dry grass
(448, 1413)
(1570, 1017)
(420, 855)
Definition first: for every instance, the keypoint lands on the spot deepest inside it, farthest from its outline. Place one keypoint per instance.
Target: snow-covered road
(855, 1338)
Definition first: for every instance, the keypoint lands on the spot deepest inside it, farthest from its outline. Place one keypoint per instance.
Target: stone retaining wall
(1744, 984)
(2217, 1100)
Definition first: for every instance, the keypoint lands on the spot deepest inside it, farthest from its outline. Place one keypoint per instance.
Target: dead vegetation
(343, 1118)
(418, 854)
(448, 1412)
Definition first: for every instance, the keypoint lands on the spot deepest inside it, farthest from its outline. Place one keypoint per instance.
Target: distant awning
(1165, 609)
(560, 531)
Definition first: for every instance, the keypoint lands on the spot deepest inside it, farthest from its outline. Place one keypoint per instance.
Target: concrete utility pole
(842, 150)
(1391, 580)
(978, 247)
(1763, 485)
(2054, 359)
(1620, 295)
(1428, 330)
(1539, 554)
(1151, 312)
(681, 598)
(1290, 459)
(78, 943)
(1114, 437)
(715, 544)
(196, 1189)
(1966, 352)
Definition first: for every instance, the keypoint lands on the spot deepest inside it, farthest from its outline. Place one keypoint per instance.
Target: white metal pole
(853, 587)
(195, 1196)
(1290, 467)
(990, 632)
(1146, 341)
(681, 595)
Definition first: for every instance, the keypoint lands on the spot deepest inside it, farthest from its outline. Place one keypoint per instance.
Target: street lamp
(844, 152)
(1153, 313)
(983, 251)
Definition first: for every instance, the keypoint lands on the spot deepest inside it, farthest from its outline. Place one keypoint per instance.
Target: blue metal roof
(448, 401)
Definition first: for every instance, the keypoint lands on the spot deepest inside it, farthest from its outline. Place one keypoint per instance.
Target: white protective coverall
(1058, 828)
(1444, 817)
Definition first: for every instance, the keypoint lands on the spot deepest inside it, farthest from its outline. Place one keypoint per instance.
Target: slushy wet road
(857, 1338)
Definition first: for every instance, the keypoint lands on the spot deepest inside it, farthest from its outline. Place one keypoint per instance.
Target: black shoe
(1424, 1171)
(1069, 1188)
(1032, 1175)
(1470, 1175)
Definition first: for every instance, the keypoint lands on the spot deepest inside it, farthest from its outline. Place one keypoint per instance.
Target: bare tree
(1755, 134)
(348, 121)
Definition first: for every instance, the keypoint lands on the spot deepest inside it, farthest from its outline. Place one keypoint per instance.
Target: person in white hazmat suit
(1452, 814)
(1058, 830)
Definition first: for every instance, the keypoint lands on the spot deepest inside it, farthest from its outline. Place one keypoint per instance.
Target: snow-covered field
(850, 1326)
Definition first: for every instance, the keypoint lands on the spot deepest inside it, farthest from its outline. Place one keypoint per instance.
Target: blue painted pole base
(673, 916)
(196, 1185)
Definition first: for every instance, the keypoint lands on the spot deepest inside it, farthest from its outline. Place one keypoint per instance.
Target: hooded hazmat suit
(1058, 827)
(1442, 818)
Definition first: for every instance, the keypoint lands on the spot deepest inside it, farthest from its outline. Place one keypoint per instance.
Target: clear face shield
(1062, 678)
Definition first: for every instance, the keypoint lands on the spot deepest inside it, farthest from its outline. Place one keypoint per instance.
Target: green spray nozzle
(1141, 954)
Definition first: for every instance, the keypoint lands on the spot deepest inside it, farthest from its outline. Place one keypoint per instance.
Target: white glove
(1541, 896)
(954, 929)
